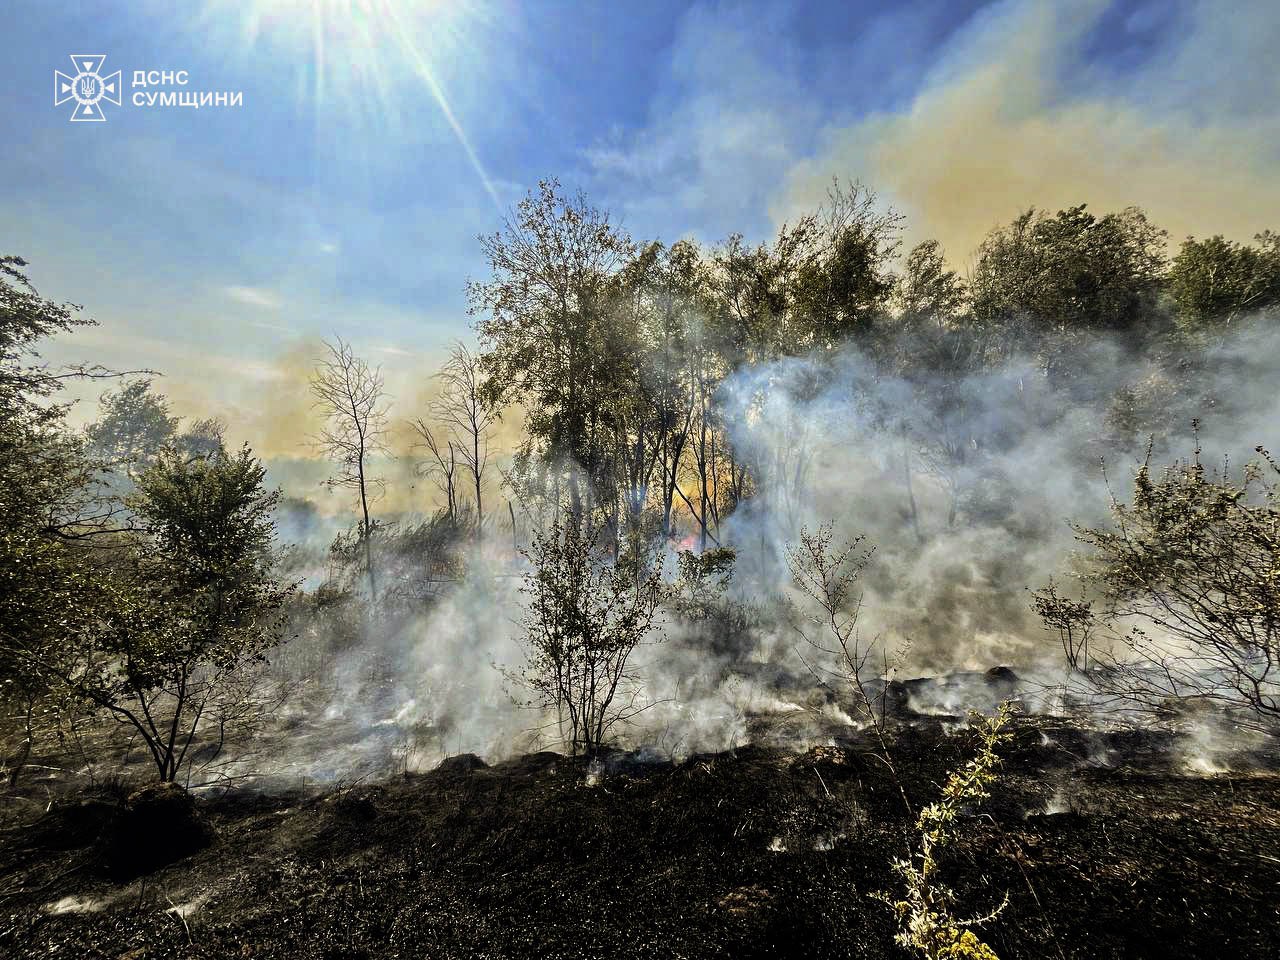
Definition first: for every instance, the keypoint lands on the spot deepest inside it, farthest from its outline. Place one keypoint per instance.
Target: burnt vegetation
(711, 553)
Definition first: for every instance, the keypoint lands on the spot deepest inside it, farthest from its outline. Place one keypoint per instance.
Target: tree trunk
(476, 474)
(368, 545)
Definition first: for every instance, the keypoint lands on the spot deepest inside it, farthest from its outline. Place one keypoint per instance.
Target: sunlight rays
(358, 52)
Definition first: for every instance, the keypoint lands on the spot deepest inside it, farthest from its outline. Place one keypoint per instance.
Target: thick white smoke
(965, 488)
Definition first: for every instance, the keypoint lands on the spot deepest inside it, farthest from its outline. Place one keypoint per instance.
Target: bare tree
(827, 576)
(442, 465)
(467, 413)
(352, 397)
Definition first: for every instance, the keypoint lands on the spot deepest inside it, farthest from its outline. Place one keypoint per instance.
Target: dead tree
(441, 466)
(470, 417)
(351, 396)
(827, 577)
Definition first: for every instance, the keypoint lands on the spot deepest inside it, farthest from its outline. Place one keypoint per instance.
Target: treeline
(616, 350)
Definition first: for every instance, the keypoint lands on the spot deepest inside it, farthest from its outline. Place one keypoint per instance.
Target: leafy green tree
(546, 319)
(1216, 281)
(178, 609)
(842, 289)
(25, 319)
(586, 617)
(135, 425)
(1186, 581)
(661, 406)
(49, 504)
(1042, 281)
(928, 292)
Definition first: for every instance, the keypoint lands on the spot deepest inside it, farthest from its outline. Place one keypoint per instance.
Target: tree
(1045, 278)
(25, 319)
(50, 505)
(1188, 597)
(166, 620)
(1217, 281)
(585, 618)
(134, 426)
(546, 323)
(441, 466)
(351, 396)
(466, 410)
(672, 381)
(843, 283)
(928, 292)
(203, 438)
(827, 578)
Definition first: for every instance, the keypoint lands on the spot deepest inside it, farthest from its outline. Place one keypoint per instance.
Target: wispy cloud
(254, 297)
(726, 124)
(275, 327)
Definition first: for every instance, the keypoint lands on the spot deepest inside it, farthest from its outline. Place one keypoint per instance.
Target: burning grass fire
(804, 598)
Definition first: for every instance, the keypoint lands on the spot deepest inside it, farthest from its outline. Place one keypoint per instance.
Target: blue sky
(219, 245)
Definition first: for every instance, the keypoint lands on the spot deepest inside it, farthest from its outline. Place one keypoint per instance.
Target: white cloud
(725, 126)
(254, 297)
(392, 351)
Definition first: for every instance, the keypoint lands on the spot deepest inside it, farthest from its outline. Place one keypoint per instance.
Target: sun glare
(362, 54)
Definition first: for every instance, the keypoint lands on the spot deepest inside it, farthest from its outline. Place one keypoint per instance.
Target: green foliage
(928, 292)
(586, 616)
(843, 284)
(25, 319)
(1055, 276)
(189, 603)
(1216, 281)
(926, 910)
(1188, 581)
(703, 580)
(134, 426)
(209, 516)
(545, 316)
(149, 624)
(47, 495)
(616, 351)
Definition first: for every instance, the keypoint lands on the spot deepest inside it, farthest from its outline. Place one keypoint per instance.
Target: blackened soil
(1102, 846)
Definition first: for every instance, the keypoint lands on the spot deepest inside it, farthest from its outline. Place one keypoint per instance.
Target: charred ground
(1103, 844)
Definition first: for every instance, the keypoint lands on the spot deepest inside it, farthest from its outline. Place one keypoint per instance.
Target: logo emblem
(87, 88)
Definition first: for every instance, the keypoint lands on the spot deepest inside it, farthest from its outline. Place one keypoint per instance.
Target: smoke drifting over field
(996, 465)
(997, 469)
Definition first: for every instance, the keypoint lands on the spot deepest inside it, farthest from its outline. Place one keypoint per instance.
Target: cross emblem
(87, 88)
